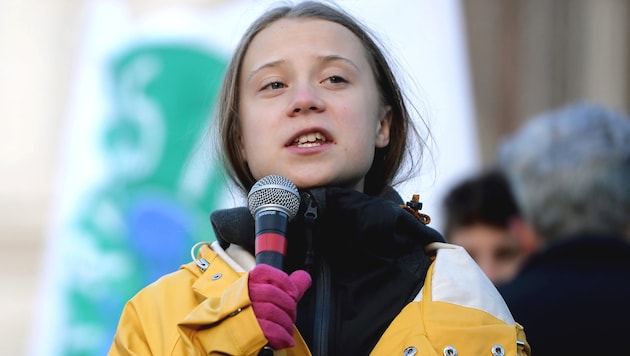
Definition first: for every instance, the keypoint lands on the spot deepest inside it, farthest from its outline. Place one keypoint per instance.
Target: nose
(305, 99)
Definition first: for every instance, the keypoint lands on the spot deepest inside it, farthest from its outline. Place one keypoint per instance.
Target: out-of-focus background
(90, 90)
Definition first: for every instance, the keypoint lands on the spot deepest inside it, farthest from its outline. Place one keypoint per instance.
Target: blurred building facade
(528, 56)
(525, 56)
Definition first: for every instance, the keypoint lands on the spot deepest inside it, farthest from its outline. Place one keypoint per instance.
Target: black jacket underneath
(365, 255)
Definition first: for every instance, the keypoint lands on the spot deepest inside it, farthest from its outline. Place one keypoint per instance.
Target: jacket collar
(237, 226)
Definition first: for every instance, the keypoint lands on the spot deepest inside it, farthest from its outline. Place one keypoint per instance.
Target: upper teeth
(311, 137)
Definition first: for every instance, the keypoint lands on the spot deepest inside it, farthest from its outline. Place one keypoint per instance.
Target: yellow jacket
(190, 312)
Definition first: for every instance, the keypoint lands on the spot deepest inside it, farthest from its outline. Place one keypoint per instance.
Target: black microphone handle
(271, 242)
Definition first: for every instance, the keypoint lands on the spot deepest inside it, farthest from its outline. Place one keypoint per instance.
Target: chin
(312, 182)
(308, 184)
(306, 181)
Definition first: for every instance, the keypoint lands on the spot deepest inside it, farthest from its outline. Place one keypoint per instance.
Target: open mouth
(311, 139)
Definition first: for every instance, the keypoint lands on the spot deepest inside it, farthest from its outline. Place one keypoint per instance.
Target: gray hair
(570, 171)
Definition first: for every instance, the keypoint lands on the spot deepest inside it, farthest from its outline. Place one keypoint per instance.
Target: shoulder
(176, 285)
(458, 309)
(455, 278)
(188, 279)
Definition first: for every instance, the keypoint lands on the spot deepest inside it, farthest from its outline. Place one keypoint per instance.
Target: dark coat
(366, 256)
(573, 298)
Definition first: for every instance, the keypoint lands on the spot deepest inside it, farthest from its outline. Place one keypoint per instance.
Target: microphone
(273, 202)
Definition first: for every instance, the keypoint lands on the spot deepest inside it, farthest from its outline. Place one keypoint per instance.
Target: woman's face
(309, 105)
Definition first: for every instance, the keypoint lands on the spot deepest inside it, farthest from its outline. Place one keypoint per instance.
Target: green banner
(160, 186)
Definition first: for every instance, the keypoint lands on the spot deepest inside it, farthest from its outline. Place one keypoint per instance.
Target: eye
(274, 86)
(335, 79)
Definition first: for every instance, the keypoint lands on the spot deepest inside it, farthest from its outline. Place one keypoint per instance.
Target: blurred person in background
(482, 216)
(570, 172)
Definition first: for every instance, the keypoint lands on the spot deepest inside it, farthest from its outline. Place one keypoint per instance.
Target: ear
(528, 239)
(382, 127)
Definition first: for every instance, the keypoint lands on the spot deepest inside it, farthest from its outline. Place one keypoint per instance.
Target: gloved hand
(274, 296)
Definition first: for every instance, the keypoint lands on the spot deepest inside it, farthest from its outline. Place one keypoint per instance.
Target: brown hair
(486, 198)
(387, 160)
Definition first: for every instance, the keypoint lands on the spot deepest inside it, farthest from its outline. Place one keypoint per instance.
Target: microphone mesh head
(274, 192)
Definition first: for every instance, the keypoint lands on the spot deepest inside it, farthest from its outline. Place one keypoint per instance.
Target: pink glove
(274, 296)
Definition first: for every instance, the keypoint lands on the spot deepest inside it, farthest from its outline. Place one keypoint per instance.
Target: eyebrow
(336, 57)
(266, 65)
(323, 59)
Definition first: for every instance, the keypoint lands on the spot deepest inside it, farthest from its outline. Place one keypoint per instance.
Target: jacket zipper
(322, 310)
